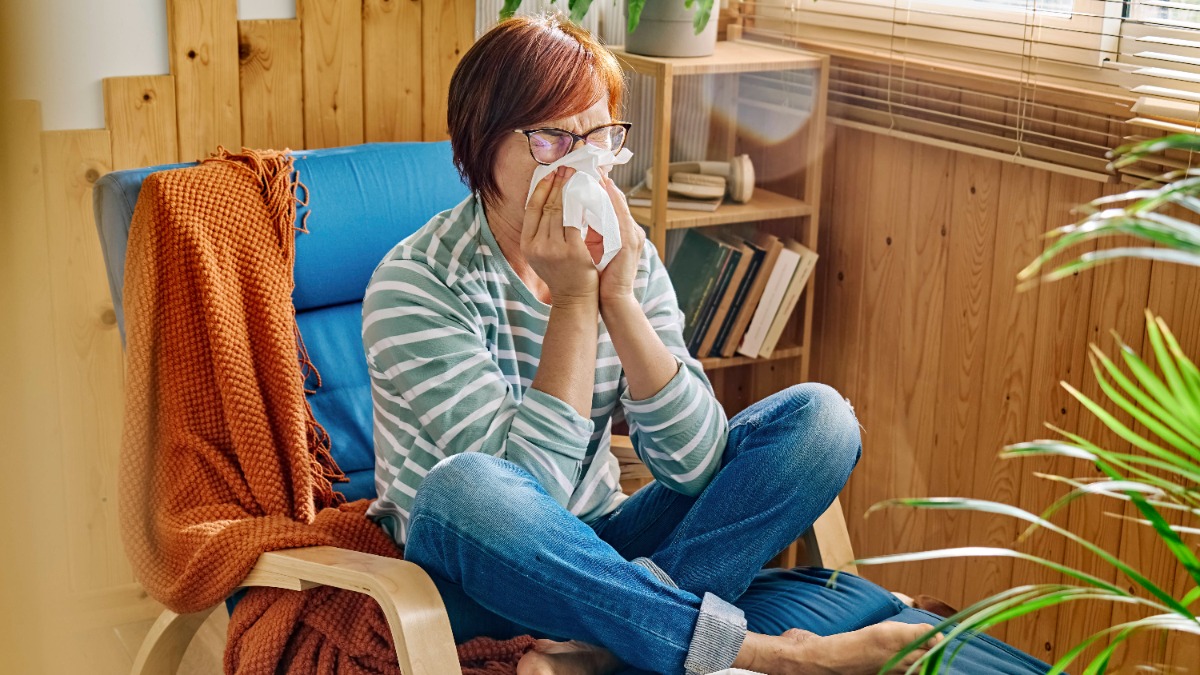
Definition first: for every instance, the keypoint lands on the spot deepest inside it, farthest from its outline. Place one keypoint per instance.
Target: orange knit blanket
(222, 459)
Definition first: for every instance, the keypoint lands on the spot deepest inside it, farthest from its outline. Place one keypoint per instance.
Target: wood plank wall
(920, 325)
(343, 72)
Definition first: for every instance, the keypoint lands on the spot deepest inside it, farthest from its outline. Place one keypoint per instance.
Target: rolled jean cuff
(655, 570)
(720, 631)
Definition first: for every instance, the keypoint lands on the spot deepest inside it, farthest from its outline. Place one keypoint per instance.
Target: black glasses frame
(576, 138)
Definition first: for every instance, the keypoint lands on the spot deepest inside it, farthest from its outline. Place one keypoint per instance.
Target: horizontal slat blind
(1043, 81)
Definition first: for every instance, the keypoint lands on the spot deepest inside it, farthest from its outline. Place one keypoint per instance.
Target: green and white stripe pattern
(452, 339)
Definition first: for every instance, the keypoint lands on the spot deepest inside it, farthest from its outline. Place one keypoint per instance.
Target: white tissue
(585, 201)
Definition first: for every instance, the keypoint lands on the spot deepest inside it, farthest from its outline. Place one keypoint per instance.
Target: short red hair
(524, 71)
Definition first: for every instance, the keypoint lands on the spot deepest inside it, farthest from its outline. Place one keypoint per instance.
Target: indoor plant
(1161, 475)
(655, 27)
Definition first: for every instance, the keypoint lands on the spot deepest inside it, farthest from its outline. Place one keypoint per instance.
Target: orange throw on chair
(222, 459)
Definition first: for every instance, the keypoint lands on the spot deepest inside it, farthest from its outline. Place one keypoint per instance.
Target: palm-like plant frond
(1137, 213)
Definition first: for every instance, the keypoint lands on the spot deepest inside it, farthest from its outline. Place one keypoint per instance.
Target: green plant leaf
(985, 552)
(634, 11)
(1099, 456)
(1187, 468)
(1168, 416)
(985, 506)
(578, 9)
(1191, 374)
(1133, 152)
(1156, 387)
(995, 610)
(701, 17)
(1096, 258)
(1192, 596)
(1182, 552)
(1177, 440)
(509, 9)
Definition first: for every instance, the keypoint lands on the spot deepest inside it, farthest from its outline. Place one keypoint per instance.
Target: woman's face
(514, 166)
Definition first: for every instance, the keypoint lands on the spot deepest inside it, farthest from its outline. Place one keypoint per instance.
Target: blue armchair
(362, 200)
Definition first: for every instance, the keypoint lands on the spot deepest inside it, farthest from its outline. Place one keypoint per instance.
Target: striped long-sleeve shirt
(452, 339)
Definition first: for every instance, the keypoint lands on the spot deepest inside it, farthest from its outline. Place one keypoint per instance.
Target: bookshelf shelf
(733, 56)
(765, 205)
(780, 353)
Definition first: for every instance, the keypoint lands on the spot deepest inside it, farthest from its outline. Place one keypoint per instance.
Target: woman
(499, 358)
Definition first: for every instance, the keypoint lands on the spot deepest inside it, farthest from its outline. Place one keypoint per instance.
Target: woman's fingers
(537, 201)
(552, 212)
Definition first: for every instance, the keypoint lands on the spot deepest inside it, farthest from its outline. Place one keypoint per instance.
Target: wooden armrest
(411, 603)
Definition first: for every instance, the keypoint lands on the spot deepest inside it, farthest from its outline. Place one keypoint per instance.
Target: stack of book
(737, 293)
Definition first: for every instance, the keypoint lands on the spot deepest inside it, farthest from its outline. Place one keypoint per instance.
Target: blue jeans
(661, 581)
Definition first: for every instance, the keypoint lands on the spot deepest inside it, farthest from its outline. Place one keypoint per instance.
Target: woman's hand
(559, 257)
(616, 281)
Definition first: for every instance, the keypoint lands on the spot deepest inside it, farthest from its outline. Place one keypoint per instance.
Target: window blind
(1054, 83)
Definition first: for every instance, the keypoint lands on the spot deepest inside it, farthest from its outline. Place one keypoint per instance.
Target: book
(640, 195)
(729, 262)
(768, 306)
(757, 255)
(804, 269)
(693, 271)
(732, 289)
(721, 297)
(771, 247)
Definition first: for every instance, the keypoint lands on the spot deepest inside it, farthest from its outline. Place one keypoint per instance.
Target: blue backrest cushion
(362, 200)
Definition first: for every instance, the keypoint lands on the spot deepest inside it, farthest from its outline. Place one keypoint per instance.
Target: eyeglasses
(548, 145)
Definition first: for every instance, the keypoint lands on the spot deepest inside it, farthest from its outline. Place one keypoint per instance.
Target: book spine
(690, 322)
(714, 298)
(768, 306)
(808, 261)
(731, 318)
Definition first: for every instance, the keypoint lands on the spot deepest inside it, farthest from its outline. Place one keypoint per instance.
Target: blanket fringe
(279, 183)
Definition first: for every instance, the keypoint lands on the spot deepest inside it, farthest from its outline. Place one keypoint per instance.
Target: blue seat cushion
(342, 404)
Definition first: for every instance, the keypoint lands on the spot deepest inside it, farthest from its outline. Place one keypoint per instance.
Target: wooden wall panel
(883, 462)
(1022, 195)
(139, 112)
(951, 396)
(331, 35)
(88, 355)
(271, 84)
(392, 95)
(1059, 353)
(447, 31)
(1000, 353)
(203, 47)
(30, 397)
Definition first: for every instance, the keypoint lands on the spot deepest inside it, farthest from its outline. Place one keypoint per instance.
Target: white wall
(69, 46)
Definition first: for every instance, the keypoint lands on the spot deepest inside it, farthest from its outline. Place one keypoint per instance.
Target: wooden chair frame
(415, 613)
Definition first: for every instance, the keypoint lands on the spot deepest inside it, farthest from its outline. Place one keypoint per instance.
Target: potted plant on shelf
(1160, 477)
(655, 27)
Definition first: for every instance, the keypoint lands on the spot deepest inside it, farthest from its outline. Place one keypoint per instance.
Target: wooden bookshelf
(722, 106)
(764, 205)
(781, 352)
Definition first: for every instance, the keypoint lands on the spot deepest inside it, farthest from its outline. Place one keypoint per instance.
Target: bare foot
(861, 652)
(567, 658)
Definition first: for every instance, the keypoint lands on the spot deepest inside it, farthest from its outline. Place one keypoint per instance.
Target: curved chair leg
(169, 637)
(828, 541)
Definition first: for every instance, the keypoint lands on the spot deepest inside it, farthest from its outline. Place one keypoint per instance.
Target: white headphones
(710, 180)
